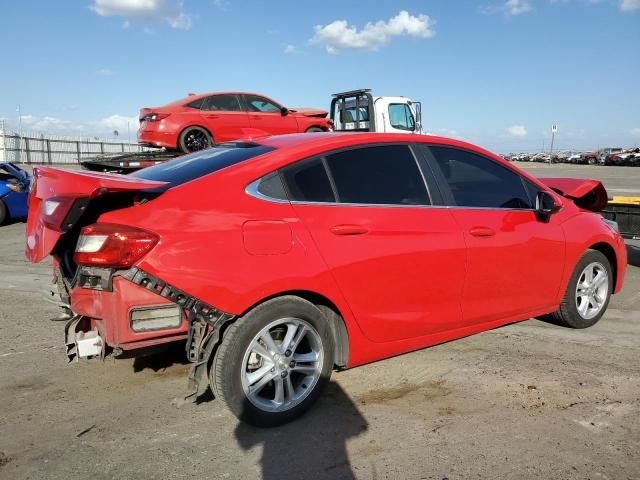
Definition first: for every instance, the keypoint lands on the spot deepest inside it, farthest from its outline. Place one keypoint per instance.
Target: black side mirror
(545, 205)
(284, 111)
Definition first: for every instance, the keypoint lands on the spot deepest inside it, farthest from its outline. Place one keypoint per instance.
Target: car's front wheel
(274, 361)
(3, 212)
(193, 139)
(588, 292)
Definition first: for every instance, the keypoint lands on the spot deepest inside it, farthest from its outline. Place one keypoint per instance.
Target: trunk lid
(588, 194)
(59, 198)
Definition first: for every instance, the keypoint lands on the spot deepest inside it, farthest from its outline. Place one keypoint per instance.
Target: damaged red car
(201, 121)
(283, 259)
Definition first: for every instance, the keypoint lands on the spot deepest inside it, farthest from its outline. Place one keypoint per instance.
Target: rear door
(224, 117)
(266, 115)
(398, 262)
(514, 261)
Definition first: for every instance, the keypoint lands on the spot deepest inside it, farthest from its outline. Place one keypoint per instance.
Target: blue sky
(495, 72)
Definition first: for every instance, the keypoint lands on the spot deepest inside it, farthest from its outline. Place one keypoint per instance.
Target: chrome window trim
(252, 191)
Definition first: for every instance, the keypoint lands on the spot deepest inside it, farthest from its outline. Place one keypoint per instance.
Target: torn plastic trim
(205, 323)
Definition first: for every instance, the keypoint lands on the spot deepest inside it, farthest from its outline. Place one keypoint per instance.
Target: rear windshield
(194, 165)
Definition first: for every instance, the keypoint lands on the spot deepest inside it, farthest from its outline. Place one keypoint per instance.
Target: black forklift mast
(356, 99)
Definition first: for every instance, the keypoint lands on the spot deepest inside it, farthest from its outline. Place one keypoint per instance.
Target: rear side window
(307, 181)
(477, 181)
(381, 175)
(189, 167)
(222, 103)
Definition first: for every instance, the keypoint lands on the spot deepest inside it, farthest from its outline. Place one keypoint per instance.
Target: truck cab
(360, 111)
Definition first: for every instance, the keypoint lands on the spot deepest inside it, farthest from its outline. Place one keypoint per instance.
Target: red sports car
(201, 121)
(287, 257)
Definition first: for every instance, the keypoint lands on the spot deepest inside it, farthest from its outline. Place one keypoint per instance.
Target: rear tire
(3, 212)
(273, 363)
(588, 293)
(194, 139)
(314, 130)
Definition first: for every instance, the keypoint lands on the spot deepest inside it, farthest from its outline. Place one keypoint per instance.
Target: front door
(267, 116)
(514, 260)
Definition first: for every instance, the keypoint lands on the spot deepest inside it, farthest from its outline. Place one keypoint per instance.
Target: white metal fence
(52, 149)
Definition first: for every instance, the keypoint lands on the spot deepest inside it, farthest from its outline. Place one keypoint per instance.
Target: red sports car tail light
(110, 245)
(55, 210)
(154, 117)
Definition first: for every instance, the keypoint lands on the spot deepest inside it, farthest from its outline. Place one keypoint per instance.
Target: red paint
(224, 126)
(402, 278)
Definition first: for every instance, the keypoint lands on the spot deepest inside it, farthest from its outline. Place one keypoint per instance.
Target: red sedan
(285, 258)
(201, 121)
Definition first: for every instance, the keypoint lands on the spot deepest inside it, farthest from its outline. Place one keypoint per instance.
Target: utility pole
(554, 130)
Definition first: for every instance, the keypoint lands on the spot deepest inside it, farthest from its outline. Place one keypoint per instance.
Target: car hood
(589, 194)
(309, 112)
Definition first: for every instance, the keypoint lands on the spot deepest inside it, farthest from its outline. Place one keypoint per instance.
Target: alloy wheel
(282, 364)
(592, 290)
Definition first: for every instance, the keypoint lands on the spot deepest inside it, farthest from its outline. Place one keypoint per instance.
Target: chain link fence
(37, 148)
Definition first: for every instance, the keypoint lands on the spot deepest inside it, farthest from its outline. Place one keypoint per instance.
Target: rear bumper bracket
(205, 323)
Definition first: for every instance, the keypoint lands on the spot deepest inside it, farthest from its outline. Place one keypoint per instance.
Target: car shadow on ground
(313, 446)
(158, 358)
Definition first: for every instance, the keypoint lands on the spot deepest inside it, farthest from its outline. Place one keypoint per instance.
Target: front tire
(193, 139)
(314, 130)
(588, 293)
(273, 362)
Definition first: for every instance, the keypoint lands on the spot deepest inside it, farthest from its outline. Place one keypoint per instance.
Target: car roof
(331, 140)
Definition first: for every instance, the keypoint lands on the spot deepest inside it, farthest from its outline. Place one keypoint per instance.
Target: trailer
(626, 212)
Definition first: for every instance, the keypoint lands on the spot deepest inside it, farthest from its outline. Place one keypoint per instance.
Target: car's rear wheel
(3, 212)
(274, 361)
(588, 292)
(193, 139)
(314, 130)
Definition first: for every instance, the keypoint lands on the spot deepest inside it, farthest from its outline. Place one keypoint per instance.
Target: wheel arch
(321, 127)
(608, 251)
(208, 130)
(332, 314)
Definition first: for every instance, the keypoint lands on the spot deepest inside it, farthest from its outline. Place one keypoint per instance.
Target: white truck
(360, 111)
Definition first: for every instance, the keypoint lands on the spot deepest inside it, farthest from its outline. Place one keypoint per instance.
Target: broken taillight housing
(110, 245)
(55, 210)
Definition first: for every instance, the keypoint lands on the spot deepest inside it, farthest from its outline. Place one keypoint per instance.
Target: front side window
(221, 103)
(258, 104)
(307, 181)
(477, 181)
(381, 175)
(400, 117)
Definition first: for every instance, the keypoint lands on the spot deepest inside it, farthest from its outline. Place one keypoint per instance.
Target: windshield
(194, 165)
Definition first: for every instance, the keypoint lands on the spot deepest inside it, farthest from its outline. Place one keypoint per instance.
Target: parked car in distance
(603, 153)
(14, 190)
(303, 253)
(200, 121)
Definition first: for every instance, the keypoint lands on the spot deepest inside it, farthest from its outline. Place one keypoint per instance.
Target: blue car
(14, 189)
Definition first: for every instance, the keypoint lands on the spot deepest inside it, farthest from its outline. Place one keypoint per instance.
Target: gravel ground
(531, 400)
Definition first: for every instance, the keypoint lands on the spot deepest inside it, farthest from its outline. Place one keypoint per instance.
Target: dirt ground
(531, 400)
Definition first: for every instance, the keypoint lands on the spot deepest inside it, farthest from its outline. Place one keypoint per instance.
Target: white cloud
(448, 132)
(105, 72)
(517, 131)
(339, 35)
(510, 7)
(169, 11)
(58, 126)
(290, 49)
(635, 132)
(629, 5)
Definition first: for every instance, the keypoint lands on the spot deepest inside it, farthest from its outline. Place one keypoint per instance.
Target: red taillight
(109, 245)
(154, 116)
(55, 211)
